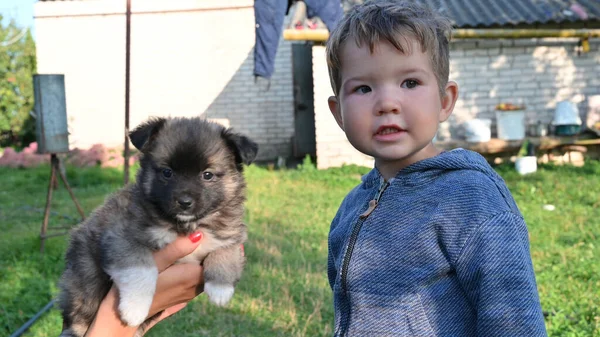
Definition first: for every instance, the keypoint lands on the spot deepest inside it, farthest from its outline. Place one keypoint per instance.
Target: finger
(177, 249)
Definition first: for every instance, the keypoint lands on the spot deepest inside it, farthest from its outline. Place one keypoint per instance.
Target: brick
(475, 52)
(524, 84)
(524, 93)
(480, 60)
(485, 87)
(513, 51)
(506, 43)
(548, 84)
(476, 67)
(456, 53)
(494, 51)
(591, 90)
(489, 44)
(463, 45)
(525, 42)
(504, 81)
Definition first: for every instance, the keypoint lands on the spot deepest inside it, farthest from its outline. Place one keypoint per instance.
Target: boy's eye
(363, 89)
(410, 84)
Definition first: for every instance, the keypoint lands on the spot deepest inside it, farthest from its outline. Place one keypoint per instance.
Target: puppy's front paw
(136, 290)
(134, 313)
(219, 294)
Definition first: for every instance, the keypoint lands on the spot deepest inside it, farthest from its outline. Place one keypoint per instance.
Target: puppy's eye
(207, 175)
(167, 173)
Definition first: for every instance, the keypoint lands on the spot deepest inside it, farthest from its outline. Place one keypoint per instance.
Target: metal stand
(55, 167)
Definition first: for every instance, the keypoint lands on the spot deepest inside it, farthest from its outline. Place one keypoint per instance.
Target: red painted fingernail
(195, 237)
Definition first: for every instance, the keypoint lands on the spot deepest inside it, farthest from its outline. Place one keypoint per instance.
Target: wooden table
(503, 148)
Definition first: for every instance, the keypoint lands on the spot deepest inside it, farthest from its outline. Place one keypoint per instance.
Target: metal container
(537, 130)
(51, 113)
(566, 113)
(478, 130)
(567, 129)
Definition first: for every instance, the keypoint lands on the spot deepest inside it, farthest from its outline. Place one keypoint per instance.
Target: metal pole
(30, 322)
(127, 65)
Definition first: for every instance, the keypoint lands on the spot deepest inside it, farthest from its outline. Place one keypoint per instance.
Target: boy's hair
(394, 21)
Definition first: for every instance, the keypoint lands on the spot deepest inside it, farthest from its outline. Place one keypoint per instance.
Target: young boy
(431, 243)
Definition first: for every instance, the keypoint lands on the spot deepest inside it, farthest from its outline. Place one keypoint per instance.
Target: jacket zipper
(352, 242)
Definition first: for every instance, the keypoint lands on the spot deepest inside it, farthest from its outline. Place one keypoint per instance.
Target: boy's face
(389, 103)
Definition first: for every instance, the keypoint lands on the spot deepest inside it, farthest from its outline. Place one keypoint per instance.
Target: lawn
(284, 291)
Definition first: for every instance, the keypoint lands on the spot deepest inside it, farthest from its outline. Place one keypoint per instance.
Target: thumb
(177, 249)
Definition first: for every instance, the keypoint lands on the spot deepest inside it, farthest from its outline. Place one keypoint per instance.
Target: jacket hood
(427, 169)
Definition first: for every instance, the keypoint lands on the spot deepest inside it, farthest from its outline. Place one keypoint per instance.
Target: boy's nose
(387, 102)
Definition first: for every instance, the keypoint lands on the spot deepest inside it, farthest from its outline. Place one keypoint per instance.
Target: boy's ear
(334, 107)
(244, 148)
(448, 101)
(143, 135)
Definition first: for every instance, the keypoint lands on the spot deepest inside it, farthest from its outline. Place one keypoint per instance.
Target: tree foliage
(17, 66)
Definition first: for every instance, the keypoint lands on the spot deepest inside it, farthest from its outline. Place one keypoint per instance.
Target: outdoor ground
(284, 291)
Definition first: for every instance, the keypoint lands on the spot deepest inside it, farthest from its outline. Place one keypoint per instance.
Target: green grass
(284, 291)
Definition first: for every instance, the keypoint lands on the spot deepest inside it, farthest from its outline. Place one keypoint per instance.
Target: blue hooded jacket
(439, 250)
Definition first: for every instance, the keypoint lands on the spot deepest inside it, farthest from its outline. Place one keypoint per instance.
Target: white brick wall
(266, 115)
(537, 73)
(200, 61)
(188, 63)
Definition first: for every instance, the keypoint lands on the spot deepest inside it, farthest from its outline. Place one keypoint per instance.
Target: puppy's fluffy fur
(190, 179)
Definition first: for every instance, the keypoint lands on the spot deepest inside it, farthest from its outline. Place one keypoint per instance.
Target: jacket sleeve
(496, 272)
(331, 269)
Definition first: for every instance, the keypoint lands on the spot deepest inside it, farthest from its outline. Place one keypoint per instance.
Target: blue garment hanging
(269, 15)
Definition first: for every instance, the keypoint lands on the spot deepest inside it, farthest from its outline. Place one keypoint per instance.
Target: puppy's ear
(145, 132)
(245, 149)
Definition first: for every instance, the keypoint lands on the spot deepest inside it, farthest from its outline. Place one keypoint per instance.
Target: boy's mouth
(388, 129)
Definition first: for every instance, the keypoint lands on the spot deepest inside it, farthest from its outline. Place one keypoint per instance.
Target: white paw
(219, 294)
(134, 313)
(136, 290)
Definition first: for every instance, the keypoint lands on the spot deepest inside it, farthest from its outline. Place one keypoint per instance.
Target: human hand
(176, 285)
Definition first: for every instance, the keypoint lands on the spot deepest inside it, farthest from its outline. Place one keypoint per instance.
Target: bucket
(566, 113)
(526, 165)
(566, 119)
(478, 130)
(510, 124)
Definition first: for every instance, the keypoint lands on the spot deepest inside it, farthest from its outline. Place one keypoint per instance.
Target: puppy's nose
(185, 202)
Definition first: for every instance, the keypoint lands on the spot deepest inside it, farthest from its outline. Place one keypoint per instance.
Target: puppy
(190, 179)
